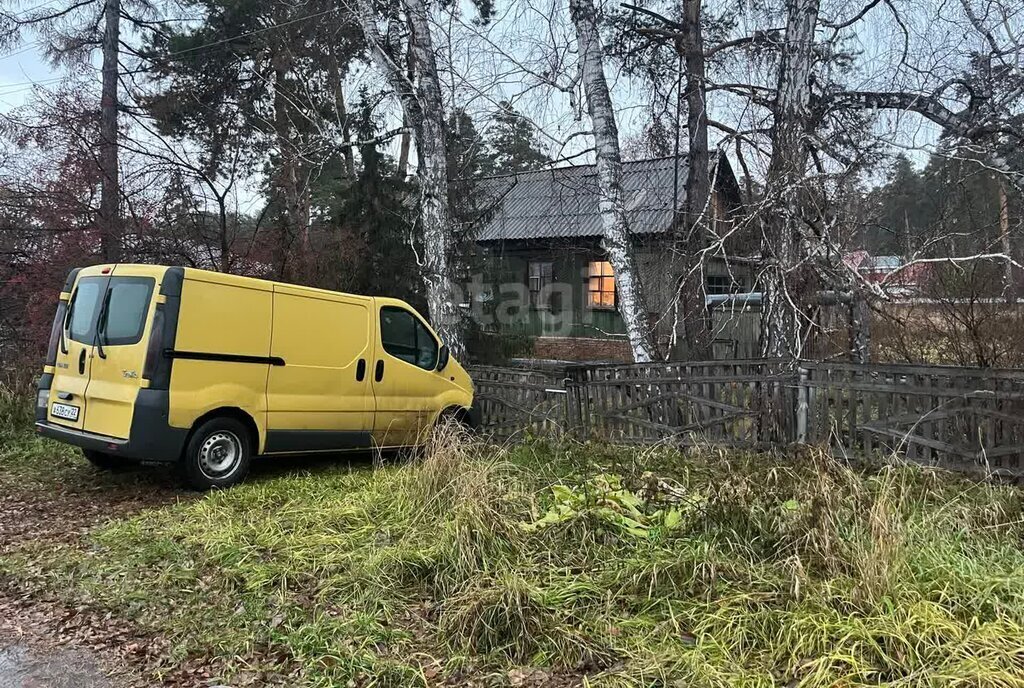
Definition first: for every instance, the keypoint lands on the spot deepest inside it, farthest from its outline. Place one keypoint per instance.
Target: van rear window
(127, 307)
(85, 306)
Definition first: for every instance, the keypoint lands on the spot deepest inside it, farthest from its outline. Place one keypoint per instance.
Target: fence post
(575, 416)
(801, 406)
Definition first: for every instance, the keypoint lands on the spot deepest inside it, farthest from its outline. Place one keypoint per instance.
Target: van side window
(405, 337)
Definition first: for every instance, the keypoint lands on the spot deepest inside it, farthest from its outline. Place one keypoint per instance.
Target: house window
(539, 283)
(600, 285)
(723, 284)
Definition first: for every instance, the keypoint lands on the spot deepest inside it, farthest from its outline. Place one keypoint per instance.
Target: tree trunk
(698, 177)
(404, 146)
(781, 313)
(347, 154)
(1009, 288)
(406, 140)
(698, 212)
(860, 327)
(616, 240)
(296, 211)
(110, 192)
(423, 108)
(222, 231)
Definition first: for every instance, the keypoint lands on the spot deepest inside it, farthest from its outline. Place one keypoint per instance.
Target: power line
(22, 13)
(251, 33)
(27, 48)
(17, 87)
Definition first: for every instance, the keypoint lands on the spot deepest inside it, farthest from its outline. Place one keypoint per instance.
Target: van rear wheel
(218, 454)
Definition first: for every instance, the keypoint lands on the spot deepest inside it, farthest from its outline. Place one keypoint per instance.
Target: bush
(16, 411)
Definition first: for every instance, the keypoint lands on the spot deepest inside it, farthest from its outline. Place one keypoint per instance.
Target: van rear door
(119, 352)
(73, 363)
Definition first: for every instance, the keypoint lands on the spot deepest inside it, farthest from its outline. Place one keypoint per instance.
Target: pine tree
(469, 159)
(376, 256)
(514, 145)
(902, 214)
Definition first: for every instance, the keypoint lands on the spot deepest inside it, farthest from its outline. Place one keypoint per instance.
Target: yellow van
(177, 365)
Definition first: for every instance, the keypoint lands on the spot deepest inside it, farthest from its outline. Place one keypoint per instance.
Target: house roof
(563, 202)
(882, 263)
(862, 260)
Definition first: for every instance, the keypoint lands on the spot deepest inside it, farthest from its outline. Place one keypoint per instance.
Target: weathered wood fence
(960, 418)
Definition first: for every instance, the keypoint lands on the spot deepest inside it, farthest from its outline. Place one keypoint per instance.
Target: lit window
(539, 283)
(600, 285)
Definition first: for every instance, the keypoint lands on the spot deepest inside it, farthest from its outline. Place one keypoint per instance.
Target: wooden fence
(716, 401)
(960, 418)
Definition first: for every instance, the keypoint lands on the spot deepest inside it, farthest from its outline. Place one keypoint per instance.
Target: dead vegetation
(550, 565)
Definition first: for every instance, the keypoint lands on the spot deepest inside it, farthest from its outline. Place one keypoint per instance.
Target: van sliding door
(320, 399)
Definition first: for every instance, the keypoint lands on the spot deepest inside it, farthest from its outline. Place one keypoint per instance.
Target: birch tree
(616, 239)
(780, 316)
(423, 109)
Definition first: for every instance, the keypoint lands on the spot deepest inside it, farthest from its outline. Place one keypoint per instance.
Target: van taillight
(153, 370)
(55, 332)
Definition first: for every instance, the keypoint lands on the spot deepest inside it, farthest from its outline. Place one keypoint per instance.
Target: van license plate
(65, 411)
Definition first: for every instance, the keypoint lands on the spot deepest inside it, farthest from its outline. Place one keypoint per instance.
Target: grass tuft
(628, 567)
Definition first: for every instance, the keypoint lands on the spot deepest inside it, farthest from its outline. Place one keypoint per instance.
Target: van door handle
(81, 363)
(378, 374)
(360, 370)
(65, 396)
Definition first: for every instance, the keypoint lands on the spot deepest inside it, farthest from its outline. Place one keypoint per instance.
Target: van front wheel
(217, 454)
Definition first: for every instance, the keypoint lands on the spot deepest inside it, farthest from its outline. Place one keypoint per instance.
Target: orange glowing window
(600, 285)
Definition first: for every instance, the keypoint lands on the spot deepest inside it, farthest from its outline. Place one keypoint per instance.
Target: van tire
(218, 454)
(106, 462)
(450, 419)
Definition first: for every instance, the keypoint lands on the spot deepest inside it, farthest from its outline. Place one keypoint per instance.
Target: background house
(879, 269)
(539, 234)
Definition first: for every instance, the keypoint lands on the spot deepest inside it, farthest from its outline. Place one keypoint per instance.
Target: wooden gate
(721, 402)
(516, 402)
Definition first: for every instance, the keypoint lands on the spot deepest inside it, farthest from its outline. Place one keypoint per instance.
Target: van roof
(228, 279)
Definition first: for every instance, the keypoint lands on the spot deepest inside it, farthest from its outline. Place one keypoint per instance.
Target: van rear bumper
(85, 440)
(150, 439)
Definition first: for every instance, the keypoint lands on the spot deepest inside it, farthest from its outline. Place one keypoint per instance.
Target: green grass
(645, 568)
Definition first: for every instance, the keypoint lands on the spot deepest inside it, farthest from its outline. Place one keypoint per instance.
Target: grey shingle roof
(562, 202)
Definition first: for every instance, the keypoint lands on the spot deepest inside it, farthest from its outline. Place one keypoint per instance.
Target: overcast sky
(488, 68)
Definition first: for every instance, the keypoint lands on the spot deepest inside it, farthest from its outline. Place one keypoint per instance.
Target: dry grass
(772, 570)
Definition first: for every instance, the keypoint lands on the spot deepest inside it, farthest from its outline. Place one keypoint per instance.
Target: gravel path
(22, 666)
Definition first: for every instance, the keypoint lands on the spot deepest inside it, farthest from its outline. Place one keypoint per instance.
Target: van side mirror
(442, 357)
